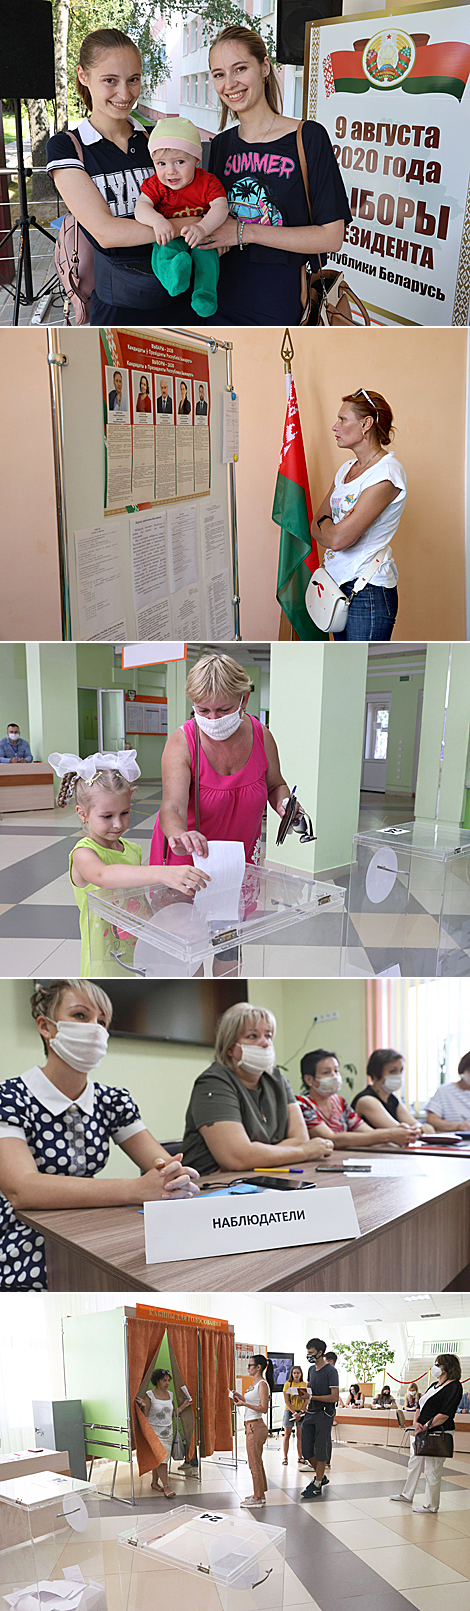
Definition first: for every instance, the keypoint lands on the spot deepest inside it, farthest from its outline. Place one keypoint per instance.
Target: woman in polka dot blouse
(55, 1129)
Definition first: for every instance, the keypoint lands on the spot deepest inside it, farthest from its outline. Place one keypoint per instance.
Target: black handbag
(439, 1445)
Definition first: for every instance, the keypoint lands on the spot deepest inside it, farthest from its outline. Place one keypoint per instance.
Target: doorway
(101, 720)
(376, 735)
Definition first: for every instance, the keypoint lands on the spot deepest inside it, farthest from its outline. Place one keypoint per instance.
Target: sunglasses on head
(362, 393)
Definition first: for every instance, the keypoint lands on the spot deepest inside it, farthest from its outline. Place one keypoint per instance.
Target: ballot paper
(75, 1594)
(225, 866)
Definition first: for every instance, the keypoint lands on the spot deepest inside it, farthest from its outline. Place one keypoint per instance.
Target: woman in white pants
(436, 1409)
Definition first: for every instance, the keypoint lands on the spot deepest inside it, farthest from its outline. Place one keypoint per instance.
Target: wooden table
(381, 1427)
(26, 786)
(414, 1217)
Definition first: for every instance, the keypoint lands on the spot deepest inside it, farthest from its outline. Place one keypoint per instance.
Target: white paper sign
(230, 438)
(99, 583)
(151, 654)
(210, 1227)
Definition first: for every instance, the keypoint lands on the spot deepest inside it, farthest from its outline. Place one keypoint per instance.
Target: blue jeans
(372, 615)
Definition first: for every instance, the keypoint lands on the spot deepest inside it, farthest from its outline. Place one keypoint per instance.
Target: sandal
(170, 1493)
(285, 1462)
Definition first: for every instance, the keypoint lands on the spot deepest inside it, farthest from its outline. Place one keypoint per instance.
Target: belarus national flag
(440, 69)
(292, 511)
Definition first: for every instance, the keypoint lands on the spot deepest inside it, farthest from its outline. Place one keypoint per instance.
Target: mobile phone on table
(277, 1183)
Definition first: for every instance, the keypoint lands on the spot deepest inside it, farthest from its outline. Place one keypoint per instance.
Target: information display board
(392, 92)
(146, 489)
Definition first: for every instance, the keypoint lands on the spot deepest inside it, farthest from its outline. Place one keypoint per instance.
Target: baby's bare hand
(193, 234)
(164, 232)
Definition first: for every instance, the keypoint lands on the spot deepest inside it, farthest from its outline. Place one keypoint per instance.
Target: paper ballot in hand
(225, 866)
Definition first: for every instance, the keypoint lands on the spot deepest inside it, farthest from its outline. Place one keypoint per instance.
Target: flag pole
(286, 631)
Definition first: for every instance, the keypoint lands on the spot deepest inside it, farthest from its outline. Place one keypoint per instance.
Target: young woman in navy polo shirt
(101, 188)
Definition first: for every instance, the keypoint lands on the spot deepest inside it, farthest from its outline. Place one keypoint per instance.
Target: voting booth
(202, 1560)
(162, 933)
(409, 901)
(51, 1554)
(146, 438)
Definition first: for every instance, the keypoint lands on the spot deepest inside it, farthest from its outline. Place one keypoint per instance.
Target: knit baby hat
(176, 134)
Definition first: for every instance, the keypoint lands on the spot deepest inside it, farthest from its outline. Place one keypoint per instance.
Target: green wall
(13, 694)
(402, 725)
(317, 719)
(51, 670)
(95, 1372)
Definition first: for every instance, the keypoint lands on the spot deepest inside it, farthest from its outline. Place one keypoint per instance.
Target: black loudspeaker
(292, 19)
(26, 50)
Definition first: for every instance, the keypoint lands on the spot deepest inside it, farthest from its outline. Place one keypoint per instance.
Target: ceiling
(346, 1308)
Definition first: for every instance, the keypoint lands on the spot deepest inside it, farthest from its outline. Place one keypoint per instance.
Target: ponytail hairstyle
(72, 783)
(261, 1361)
(92, 47)
(257, 48)
(366, 403)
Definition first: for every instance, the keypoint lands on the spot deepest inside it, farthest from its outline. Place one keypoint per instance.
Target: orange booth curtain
(216, 1354)
(144, 1340)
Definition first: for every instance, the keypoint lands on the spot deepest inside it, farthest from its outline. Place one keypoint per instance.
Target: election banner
(393, 93)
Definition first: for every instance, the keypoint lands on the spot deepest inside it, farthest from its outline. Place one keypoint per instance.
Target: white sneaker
(425, 1510)
(396, 1499)
(252, 1503)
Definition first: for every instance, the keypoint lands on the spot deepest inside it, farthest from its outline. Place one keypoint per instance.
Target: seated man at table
(13, 748)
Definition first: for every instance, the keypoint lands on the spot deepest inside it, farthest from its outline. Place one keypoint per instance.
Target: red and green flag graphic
(292, 511)
(441, 69)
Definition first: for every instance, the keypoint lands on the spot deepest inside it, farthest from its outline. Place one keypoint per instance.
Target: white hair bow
(124, 762)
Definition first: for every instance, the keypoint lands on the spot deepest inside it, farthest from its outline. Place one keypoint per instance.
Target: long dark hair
(257, 48)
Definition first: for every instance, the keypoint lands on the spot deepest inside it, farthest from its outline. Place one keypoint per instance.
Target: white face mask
(329, 1083)
(220, 726)
(257, 1059)
(393, 1082)
(13, 737)
(82, 1046)
(435, 1373)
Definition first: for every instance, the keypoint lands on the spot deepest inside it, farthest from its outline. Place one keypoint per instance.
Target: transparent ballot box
(409, 901)
(199, 1560)
(160, 932)
(51, 1556)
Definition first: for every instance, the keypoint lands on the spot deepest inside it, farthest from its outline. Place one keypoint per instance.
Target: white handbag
(326, 603)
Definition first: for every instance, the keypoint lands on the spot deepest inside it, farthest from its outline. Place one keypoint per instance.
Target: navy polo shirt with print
(118, 175)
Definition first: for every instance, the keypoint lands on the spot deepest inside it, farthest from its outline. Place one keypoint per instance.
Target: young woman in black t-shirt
(436, 1410)
(101, 188)
(258, 164)
(380, 1102)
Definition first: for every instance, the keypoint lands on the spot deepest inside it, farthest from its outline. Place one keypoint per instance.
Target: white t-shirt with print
(346, 565)
(449, 1102)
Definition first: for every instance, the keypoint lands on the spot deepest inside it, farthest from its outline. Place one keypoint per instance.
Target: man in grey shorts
(323, 1382)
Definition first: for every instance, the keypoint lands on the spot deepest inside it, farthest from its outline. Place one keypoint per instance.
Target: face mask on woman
(435, 1373)
(82, 1046)
(329, 1083)
(393, 1082)
(257, 1059)
(220, 726)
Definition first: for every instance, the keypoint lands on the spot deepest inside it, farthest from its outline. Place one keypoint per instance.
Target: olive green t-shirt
(219, 1095)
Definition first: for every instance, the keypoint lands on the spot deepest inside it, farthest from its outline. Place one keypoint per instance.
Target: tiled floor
(353, 1551)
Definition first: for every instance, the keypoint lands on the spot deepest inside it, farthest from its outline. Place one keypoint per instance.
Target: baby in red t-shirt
(180, 189)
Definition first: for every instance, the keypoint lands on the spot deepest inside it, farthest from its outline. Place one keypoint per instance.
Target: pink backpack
(74, 261)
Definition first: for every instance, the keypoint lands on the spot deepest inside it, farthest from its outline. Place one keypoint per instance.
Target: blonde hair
(217, 674)
(47, 997)
(92, 47)
(234, 1022)
(72, 783)
(257, 48)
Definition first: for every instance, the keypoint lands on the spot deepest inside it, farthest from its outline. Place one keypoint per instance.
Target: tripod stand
(24, 224)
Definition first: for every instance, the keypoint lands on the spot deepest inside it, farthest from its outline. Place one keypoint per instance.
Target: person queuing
(449, 1108)
(239, 769)
(323, 1382)
(296, 1395)
(436, 1411)
(412, 1396)
(331, 1359)
(384, 1400)
(380, 1102)
(242, 1112)
(55, 1128)
(13, 747)
(255, 1403)
(361, 513)
(327, 1114)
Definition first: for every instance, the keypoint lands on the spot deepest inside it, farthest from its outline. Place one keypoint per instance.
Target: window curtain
(144, 1340)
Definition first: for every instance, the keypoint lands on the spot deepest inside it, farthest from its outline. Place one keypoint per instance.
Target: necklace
(267, 131)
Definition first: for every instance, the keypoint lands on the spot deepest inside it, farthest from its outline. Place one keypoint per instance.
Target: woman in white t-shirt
(449, 1108)
(255, 1403)
(360, 514)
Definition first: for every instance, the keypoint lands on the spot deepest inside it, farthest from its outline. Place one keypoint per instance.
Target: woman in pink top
(239, 768)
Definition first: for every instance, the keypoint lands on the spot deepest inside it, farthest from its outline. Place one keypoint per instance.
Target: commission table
(413, 1213)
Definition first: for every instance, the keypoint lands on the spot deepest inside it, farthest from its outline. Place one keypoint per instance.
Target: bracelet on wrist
(240, 233)
(322, 518)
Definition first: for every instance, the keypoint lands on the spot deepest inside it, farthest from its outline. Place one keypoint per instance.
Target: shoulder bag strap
(76, 143)
(197, 773)
(369, 569)
(304, 172)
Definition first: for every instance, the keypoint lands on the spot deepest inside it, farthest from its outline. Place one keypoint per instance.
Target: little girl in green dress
(103, 789)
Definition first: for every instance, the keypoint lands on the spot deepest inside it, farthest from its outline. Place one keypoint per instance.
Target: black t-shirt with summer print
(263, 181)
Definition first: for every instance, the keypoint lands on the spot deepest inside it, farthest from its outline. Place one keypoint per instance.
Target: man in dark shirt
(323, 1382)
